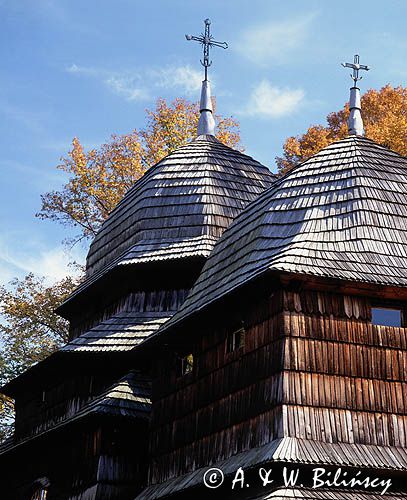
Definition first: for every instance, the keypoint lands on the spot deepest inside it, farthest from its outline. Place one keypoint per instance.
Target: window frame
(389, 304)
(40, 489)
(232, 345)
(183, 364)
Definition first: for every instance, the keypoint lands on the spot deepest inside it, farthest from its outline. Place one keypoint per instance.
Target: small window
(235, 340)
(387, 316)
(39, 494)
(40, 489)
(185, 365)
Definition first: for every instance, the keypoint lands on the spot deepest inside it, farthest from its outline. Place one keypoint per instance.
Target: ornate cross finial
(355, 122)
(207, 41)
(356, 68)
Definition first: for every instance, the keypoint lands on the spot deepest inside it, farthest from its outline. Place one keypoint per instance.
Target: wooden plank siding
(126, 322)
(81, 395)
(91, 460)
(312, 367)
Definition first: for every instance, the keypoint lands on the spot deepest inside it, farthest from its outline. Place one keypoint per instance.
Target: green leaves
(29, 331)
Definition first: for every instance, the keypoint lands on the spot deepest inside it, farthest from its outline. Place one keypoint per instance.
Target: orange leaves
(385, 119)
(99, 178)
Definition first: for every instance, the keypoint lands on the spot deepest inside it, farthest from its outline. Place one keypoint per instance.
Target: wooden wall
(69, 386)
(313, 366)
(59, 398)
(106, 457)
(138, 301)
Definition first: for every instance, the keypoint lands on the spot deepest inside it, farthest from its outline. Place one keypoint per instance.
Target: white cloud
(74, 68)
(127, 87)
(134, 86)
(273, 102)
(53, 263)
(272, 41)
(182, 77)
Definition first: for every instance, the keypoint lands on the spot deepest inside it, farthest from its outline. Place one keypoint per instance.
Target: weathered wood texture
(340, 214)
(178, 209)
(187, 199)
(64, 401)
(312, 494)
(126, 323)
(314, 368)
(97, 459)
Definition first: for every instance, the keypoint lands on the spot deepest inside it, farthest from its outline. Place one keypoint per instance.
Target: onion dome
(341, 214)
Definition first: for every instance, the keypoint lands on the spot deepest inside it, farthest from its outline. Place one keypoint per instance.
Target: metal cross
(206, 40)
(356, 68)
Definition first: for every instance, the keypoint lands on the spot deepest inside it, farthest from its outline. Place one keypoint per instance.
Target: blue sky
(89, 69)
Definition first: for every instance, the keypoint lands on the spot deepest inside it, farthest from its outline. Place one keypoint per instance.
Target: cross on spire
(356, 67)
(207, 41)
(355, 122)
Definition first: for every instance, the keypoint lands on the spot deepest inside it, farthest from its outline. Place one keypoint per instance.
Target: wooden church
(237, 336)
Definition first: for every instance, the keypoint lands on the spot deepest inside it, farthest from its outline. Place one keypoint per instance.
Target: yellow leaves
(29, 330)
(297, 149)
(98, 179)
(385, 119)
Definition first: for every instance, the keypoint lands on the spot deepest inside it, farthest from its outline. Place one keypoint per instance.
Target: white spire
(355, 122)
(206, 125)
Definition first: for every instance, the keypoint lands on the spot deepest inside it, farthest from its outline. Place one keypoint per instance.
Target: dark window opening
(185, 365)
(387, 316)
(235, 340)
(40, 494)
(40, 489)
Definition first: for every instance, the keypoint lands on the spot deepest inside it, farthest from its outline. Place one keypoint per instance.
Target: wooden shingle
(340, 214)
(178, 209)
(187, 199)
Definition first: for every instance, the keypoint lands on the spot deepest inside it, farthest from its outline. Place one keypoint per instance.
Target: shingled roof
(178, 209)
(290, 450)
(128, 397)
(340, 214)
(121, 332)
(180, 206)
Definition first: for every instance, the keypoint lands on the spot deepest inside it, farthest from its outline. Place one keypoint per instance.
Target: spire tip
(206, 125)
(355, 122)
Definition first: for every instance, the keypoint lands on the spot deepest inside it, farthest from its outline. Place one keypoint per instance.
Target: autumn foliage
(30, 330)
(385, 120)
(99, 178)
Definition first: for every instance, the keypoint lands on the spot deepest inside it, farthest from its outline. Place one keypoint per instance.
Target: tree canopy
(30, 329)
(99, 178)
(384, 115)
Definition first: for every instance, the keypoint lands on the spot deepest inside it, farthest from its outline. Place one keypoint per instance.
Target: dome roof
(180, 206)
(178, 209)
(340, 214)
